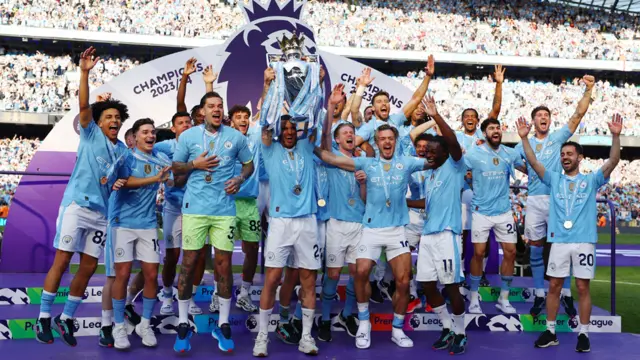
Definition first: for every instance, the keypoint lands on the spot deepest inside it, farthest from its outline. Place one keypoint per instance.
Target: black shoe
(65, 329)
(483, 281)
(297, 325)
(538, 305)
(324, 331)
(459, 345)
(288, 334)
(547, 339)
(376, 296)
(131, 315)
(349, 324)
(106, 336)
(445, 340)
(43, 331)
(584, 345)
(567, 303)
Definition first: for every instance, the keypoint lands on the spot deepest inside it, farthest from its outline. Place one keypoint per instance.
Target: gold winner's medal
(297, 189)
(352, 202)
(103, 180)
(568, 224)
(538, 147)
(322, 203)
(386, 167)
(208, 178)
(388, 203)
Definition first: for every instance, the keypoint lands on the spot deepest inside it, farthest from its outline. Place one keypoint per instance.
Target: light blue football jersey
(203, 197)
(467, 142)
(548, 154)
(443, 197)
(417, 188)
(250, 188)
(97, 164)
(578, 194)
(322, 190)
(344, 192)
(383, 185)
(491, 171)
(172, 194)
(136, 208)
(288, 168)
(367, 131)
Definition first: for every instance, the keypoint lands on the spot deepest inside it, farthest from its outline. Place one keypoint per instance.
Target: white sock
(584, 329)
(244, 290)
(458, 324)
(307, 320)
(444, 316)
(566, 292)
(107, 315)
(539, 292)
(397, 332)
(475, 297)
(183, 311)
(551, 326)
(225, 305)
(504, 295)
(130, 298)
(263, 324)
(145, 322)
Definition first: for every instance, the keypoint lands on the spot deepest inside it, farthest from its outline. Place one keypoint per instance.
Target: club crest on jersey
(538, 147)
(572, 186)
(496, 161)
(212, 144)
(583, 185)
(147, 169)
(399, 166)
(158, 167)
(228, 145)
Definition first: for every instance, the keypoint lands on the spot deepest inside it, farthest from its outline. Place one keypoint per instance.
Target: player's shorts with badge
(172, 226)
(80, 230)
(503, 227)
(535, 223)
(342, 242)
(374, 240)
(321, 236)
(247, 220)
(219, 229)
(296, 237)
(439, 258)
(577, 259)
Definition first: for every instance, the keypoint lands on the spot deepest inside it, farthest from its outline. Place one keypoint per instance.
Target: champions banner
(150, 91)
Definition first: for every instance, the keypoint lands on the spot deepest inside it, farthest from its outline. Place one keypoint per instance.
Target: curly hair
(97, 108)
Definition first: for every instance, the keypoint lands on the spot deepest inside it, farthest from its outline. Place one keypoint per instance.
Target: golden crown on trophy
(293, 43)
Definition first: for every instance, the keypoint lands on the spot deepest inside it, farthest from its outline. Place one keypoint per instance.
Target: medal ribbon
(149, 158)
(291, 166)
(384, 180)
(319, 172)
(114, 162)
(569, 209)
(216, 143)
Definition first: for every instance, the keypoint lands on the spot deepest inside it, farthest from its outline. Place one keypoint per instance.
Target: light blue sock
(350, 302)
(46, 300)
(298, 313)
(329, 288)
(398, 321)
(284, 314)
(147, 307)
(537, 267)
(118, 310)
(363, 311)
(506, 283)
(474, 283)
(70, 307)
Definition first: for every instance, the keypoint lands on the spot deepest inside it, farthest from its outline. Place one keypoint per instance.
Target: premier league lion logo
(247, 49)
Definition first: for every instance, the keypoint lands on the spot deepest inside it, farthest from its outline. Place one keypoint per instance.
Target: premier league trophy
(297, 82)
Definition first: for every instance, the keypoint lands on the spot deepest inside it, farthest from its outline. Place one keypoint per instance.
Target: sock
(263, 325)
(351, 298)
(284, 314)
(46, 300)
(183, 311)
(474, 283)
(329, 288)
(225, 306)
(551, 326)
(118, 310)
(70, 307)
(443, 315)
(398, 321)
(107, 315)
(458, 324)
(307, 320)
(297, 314)
(363, 311)
(584, 329)
(566, 287)
(504, 287)
(167, 293)
(147, 307)
(194, 290)
(130, 298)
(244, 290)
(537, 269)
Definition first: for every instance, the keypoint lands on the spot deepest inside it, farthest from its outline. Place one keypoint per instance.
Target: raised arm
(330, 158)
(209, 77)
(189, 68)
(357, 121)
(615, 126)
(583, 104)
(523, 131)
(420, 92)
(421, 129)
(87, 62)
(269, 76)
(362, 82)
(449, 136)
(334, 98)
(361, 177)
(498, 77)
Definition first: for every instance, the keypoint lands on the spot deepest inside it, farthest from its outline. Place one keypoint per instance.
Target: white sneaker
(474, 307)
(214, 307)
(146, 334)
(307, 345)
(167, 308)
(363, 337)
(260, 347)
(505, 307)
(120, 338)
(400, 338)
(245, 303)
(193, 308)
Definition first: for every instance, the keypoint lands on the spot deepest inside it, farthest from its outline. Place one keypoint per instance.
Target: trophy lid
(294, 43)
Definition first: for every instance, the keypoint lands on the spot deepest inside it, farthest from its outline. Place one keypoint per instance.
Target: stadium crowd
(15, 155)
(510, 28)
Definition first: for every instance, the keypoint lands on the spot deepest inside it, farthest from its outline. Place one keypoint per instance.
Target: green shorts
(220, 229)
(247, 220)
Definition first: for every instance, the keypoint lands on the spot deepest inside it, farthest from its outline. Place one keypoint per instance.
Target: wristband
(360, 90)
